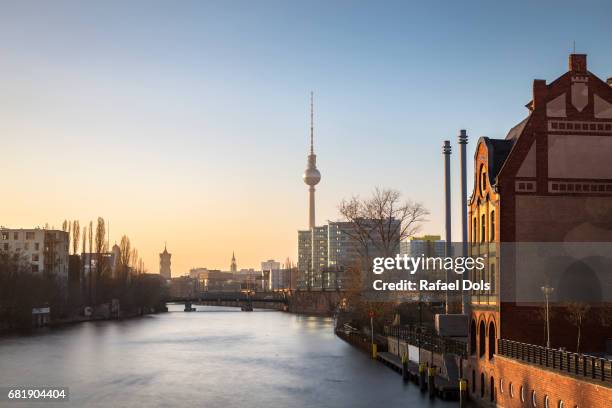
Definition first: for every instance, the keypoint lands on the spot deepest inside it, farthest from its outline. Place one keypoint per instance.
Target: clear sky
(187, 122)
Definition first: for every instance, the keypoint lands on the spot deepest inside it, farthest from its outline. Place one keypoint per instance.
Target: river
(214, 357)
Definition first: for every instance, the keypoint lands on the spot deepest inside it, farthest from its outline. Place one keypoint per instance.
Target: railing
(580, 365)
(428, 341)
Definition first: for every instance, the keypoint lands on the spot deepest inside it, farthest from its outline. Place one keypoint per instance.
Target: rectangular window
(36, 246)
(34, 257)
(30, 235)
(5, 236)
(15, 236)
(34, 268)
(6, 247)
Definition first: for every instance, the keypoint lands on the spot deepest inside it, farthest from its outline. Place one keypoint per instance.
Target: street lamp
(547, 290)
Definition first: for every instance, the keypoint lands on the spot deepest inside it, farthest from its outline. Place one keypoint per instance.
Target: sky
(187, 122)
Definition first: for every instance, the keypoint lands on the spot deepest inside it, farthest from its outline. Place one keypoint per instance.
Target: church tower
(233, 266)
(164, 264)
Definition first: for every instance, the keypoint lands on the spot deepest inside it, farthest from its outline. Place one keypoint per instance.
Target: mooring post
(431, 376)
(462, 393)
(405, 374)
(422, 377)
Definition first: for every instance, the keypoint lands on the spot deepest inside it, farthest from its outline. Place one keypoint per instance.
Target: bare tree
(382, 220)
(76, 235)
(377, 225)
(576, 314)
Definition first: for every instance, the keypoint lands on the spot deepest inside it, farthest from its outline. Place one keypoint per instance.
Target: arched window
(546, 402)
(560, 404)
(483, 221)
(492, 226)
(522, 394)
(473, 381)
(474, 230)
(491, 340)
(501, 385)
(482, 385)
(481, 339)
(511, 390)
(533, 399)
(473, 337)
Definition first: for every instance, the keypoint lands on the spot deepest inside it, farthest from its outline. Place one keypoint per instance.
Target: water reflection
(214, 357)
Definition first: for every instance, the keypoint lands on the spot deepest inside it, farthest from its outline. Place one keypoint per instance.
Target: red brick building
(548, 181)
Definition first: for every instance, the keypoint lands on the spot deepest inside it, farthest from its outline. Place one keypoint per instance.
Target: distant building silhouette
(164, 264)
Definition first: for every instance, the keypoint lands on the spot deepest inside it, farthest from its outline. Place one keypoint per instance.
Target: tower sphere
(312, 176)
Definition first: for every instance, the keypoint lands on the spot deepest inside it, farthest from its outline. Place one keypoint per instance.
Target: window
(511, 390)
(522, 394)
(492, 227)
(34, 257)
(501, 385)
(533, 399)
(560, 404)
(546, 402)
(26, 246)
(29, 235)
(36, 246)
(5, 236)
(474, 230)
(15, 236)
(6, 247)
(482, 228)
(34, 268)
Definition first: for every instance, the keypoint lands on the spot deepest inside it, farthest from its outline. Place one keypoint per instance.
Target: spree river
(214, 357)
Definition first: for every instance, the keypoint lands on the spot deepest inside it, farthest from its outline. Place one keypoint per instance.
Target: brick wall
(574, 392)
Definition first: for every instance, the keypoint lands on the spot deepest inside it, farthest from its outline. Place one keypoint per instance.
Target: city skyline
(135, 119)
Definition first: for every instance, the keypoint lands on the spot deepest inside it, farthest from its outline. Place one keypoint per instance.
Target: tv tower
(311, 174)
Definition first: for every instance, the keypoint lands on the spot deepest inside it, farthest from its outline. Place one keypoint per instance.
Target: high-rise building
(326, 252)
(428, 245)
(164, 264)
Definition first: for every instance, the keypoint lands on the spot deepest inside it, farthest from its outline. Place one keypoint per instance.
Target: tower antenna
(311, 123)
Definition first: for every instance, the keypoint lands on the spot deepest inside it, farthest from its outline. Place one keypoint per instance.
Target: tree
(125, 258)
(382, 220)
(377, 225)
(76, 235)
(576, 314)
(90, 238)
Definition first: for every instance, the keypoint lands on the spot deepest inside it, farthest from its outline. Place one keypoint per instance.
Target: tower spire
(311, 122)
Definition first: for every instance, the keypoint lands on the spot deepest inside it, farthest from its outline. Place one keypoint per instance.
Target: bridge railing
(428, 341)
(580, 365)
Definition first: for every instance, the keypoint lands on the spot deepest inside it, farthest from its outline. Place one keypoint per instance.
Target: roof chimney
(540, 93)
(578, 62)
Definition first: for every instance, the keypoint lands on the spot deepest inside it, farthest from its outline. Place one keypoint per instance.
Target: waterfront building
(548, 181)
(44, 250)
(164, 264)
(271, 271)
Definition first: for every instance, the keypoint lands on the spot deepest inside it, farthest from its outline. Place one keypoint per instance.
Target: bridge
(322, 303)
(260, 300)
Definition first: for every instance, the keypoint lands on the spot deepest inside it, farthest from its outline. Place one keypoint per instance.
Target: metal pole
(463, 139)
(446, 151)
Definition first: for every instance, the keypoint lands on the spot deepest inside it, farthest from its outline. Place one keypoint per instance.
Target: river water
(214, 357)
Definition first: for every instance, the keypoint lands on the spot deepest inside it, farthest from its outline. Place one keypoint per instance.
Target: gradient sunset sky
(187, 122)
